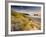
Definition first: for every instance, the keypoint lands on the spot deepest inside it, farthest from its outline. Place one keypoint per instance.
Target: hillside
(22, 22)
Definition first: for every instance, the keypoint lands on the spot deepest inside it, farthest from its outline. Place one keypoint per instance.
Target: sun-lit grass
(22, 22)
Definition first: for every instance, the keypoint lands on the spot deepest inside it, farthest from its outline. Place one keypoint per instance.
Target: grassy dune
(22, 22)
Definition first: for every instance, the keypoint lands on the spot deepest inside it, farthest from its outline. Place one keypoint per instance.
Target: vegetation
(22, 22)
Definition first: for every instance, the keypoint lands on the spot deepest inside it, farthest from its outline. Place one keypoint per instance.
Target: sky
(27, 9)
(32, 8)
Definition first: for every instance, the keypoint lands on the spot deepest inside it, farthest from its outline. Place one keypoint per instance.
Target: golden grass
(22, 22)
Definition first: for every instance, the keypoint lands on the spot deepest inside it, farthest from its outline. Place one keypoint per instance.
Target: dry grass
(22, 22)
